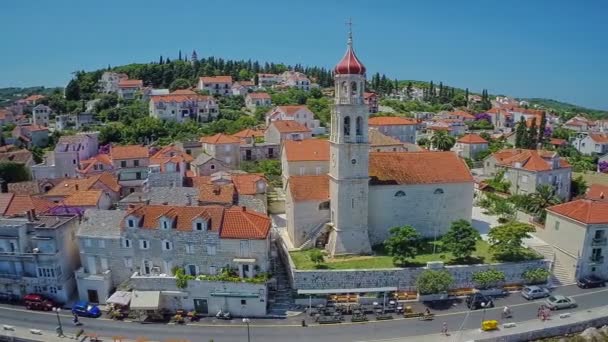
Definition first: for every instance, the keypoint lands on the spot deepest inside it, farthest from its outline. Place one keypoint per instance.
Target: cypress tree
(521, 133)
(160, 61)
(466, 97)
(541, 128)
(532, 135)
(180, 55)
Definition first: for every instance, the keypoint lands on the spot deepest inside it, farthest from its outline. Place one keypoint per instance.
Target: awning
(244, 260)
(120, 297)
(145, 300)
(337, 291)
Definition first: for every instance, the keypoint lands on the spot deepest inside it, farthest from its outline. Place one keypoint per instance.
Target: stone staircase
(276, 200)
(560, 275)
(313, 235)
(281, 294)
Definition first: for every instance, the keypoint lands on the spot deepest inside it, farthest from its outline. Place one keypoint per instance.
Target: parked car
(85, 309)
(590, 281)
(35, 301)
(557, 302)
(534, 292)
(478, 301)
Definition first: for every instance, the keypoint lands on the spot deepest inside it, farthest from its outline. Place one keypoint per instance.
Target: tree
(72, 91)
(424, 142)
(441, 140)
(502, 208)
(578, 186)
(542, 128)
(402, 244)
(543, 198)
(179, 83)
(317, 257)
(488, 278)
(13, 172)
(461, 239)
(505, 241)
(434, 281)
(521, 134)
(532, 135)
(535, 276)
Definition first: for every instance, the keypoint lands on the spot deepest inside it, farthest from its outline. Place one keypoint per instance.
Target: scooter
(223, 315)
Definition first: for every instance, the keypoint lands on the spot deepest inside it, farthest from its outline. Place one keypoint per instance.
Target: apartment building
(216, 85)
(65, 160)
(400, 128)
(183, 105)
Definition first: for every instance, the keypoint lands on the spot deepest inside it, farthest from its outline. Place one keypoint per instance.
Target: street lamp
(59, 327)
(483, 316)
(247, 321)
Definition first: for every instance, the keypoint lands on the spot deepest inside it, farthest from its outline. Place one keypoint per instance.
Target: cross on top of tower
(349, 23)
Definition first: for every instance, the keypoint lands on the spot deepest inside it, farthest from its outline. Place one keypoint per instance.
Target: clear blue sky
(527, 48)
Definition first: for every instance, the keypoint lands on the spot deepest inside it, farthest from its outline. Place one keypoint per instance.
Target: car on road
(557, 302)
(35, 301)
(85, 309)
(590, 281)
(534, 292)
(478, 301)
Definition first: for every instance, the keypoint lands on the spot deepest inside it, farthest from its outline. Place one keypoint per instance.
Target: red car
(38, 302)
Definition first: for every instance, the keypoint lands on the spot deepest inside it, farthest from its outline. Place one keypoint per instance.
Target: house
(6, 117)
(33, 99)
(371, 100)
(379, 142)
(173, 195)
(294, 79)
(130, 163)
(40, 255)
(254, 100)
(41, 115)
(454, 127)
(591, 143)
(145, 243)
(267, 80)
(400, 128)
(304, 157)
(20, 156)
(97, 164)
(470, 145)
(63, 122)
(65, 160)
(249, 136)
(557, 143)
(128, 89)
(578, 124)
(168, 167)
(109, 81)
(457, 115)
(31, 135)
(253, 147)
(280, 131)
(105, 182)
(216, 85)
(232, 188)
(88, 199)
(193, 148)
(242, 88)
(22, 205)
(83, 119)
(526, 170)
(577, 231)
(148, 92)
(183, 105)
(205, 165)
(597, 192)
(300, 114)
(501, 119)
(223, 147)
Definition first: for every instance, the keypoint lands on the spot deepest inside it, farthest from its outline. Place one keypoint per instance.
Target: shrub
(536, 275)
(488, 278)
(434, 281)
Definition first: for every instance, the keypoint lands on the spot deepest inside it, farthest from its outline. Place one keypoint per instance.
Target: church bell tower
(349, 159)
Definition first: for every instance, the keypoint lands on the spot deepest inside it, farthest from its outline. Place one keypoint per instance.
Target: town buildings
(470, 145)
(254, 100)
(183, 105)
(294, 79)
(282, 130)
(300, 114)
(371, 100)
(31, 135)
(400, 128)
(109, 81)
(591, 143)
(267, 80)
(130, 164)
(65, 159)
(129, 89)
(223, 147)
(216, 85)
(168, 167)
(41, 115)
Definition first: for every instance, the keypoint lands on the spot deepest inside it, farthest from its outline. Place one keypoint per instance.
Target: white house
(400, 128)
(41, 115)
(591, 144)
(216, 85)
(254, 100)
(183, 105)
(299, 113)
(128, 89)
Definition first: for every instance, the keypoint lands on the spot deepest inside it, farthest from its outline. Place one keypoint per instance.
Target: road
(272, 330)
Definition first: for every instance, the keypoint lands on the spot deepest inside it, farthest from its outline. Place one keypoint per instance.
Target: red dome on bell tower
(350, 64)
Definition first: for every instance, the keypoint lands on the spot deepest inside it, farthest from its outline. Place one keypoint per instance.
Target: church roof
(309, 188)
(417, 168)
(349, 64)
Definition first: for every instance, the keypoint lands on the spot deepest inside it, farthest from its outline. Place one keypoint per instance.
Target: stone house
(300, 114)
(306, 206)
(130, 163)
(267, 80)
(65, 160)
(223, 147)
(129, 89)
(526, 170)
(105, 182)
(89, 199)
(150, 241)
(591, 144)
(470, 145)
(227, 189)
(254, 100)
(31, 135)
(109, 81)
(183, 105)
(283, 130)
(379, 142)
(20, 156)
(205, 165)
(294, 79)
(41, 115)
(6, 117)
(253, 146)
(400, 128)
(309, 157)
(216, 85)
(371, 100)
(40, 256)
(168, 167)
(193, 148)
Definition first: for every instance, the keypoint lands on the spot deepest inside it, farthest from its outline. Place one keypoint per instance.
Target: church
(344, 198)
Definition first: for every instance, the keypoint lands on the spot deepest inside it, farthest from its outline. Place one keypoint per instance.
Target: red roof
(599, 138)
(290, 110)
(181, 96)
(558, 142)
(349, 64)
(129, 152)
(306, 150)
(259, 96)
(240, 223)
(289, 126)
(472, 139)
(583, 210)
(248, 133)
(17, 205)
(246, 183)
(130, 83)
(390, 121)
(530, 160)
(417, 168)
(216, 193)
(598, 192)
(217, 79)
(309, 188)
(220, 138)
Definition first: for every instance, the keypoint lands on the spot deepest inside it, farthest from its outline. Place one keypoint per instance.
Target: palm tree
(441, 140)
(543, 198)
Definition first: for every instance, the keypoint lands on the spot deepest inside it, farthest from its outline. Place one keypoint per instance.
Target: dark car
(85, 309)
(590, 281)
(38, 302)
(478, 301)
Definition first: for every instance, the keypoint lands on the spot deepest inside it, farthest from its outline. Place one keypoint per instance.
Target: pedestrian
(444, 329)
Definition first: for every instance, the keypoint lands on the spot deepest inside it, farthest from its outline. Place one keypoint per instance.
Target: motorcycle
(223, 315)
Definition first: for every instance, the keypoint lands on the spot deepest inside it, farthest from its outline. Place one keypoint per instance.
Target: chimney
(243, 208)
(33, 214)
(3, 186)
(189, 200)
(602, 195)
(165, 203)
(76, 187)
(131, 206)
(29, 216)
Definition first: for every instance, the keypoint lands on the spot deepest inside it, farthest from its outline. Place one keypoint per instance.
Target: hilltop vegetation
(566, 109)
(12, 94)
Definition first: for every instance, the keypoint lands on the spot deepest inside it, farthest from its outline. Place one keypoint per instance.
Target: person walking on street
(444, 329)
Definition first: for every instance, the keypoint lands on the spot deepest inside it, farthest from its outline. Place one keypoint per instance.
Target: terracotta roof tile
(88, 165)
(198, 181)
(376, 138)
(217, 79)
(598, 192)
(34, 97)
(248, 133)
(390, 121)
(84, 198)
(19, 156)
(291, 110)
(583, 210)
(129, 152)
(240, 223)
(558, 142)
(171, 154)
(417, 168)
(259, 96)
(306, 150)
(246, 183)
(599, 138)
(530, 160)
(5, 201)
(20, 204)
(130, 83)
(214, 193)
(472, 139)
(183, 216)
(289, 126)
(181, 96)
(309, 188)
(220, 138)
(462, 114)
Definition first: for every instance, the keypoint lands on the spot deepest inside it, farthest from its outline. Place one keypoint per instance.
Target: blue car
(84, 309)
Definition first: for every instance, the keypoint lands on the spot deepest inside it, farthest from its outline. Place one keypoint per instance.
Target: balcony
(597, 259)
(598, 242)
(81, 273)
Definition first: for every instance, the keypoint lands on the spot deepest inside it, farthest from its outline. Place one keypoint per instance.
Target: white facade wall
(586, 145)
(526, 182)
(403, 133)
(303, 217)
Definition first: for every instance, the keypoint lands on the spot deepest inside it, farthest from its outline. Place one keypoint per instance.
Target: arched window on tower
(438, 191)
(359, 126)
(324, 205)
(400, 193)
(344, 89)
(347, 126)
